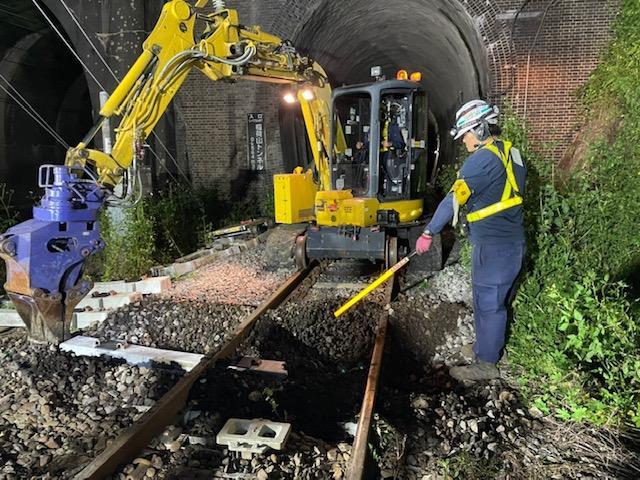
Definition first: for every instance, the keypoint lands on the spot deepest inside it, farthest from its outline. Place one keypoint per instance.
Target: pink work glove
(423, 244)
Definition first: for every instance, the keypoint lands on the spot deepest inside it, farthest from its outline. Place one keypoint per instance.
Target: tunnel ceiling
(18, 18)
(436, 37)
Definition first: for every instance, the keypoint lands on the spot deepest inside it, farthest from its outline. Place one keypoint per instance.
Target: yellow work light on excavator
(402, 75)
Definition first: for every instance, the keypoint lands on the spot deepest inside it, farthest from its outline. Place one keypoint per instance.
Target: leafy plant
(465, 466)
(575, 336)
(130, 239)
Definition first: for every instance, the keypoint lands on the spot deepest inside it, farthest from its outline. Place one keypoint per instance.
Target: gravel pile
(304, 457)
(312, 327)
(452, 285)
(191, 326)
(484, 431)
(57, 410)
(245, 279)
(448, 353)
(480, 422)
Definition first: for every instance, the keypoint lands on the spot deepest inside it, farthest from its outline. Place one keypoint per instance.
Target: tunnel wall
(207, 131)
(571, 41)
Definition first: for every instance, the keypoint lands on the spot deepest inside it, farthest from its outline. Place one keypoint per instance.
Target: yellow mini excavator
(370, 204)
(363, 193)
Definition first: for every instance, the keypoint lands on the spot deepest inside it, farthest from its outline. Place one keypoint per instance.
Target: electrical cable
(28, 108)
(86, 36)
(66, 42)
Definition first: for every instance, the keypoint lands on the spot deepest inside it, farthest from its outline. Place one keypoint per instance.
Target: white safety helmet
(474, 114)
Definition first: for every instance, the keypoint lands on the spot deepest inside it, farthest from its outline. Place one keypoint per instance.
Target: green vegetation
(166, 226)
(130, 237)
(576, 334)
(464, 465)
(8, 215)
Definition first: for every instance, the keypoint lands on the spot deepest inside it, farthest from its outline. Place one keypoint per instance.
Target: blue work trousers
(495, 269)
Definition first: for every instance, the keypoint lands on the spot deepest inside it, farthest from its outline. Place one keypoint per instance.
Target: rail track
(137, 437)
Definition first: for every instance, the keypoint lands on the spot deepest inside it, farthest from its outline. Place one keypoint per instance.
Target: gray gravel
(57, 410)
(452, 284)
(191, 326)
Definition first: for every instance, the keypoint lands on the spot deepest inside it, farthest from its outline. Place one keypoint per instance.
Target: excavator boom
(45, 255)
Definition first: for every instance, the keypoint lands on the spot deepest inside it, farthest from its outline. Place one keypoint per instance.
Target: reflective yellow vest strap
(493, 209)
(385, 135)
(510, 195)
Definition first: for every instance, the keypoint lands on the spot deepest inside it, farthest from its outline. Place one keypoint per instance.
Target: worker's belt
(510, 195)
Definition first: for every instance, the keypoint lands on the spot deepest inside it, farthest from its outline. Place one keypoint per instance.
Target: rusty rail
(135, 438)
(359, 450)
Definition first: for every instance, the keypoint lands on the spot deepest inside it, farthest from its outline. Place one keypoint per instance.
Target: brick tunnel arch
(39, 66)
(460, 47)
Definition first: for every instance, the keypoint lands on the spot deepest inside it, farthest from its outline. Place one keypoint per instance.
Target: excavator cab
(378, 173)
(385, 145)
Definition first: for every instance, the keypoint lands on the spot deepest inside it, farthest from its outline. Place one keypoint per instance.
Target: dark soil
(327, 361)
(417, 329)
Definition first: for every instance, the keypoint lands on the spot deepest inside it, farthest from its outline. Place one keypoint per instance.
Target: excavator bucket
(48, 316)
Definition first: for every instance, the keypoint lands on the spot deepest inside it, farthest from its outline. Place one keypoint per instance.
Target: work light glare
(289, 97)
(307, 94)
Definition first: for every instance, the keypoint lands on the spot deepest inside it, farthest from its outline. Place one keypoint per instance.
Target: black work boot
(478, 370)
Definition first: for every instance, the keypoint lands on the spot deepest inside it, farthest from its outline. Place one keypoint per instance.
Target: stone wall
(536, 64)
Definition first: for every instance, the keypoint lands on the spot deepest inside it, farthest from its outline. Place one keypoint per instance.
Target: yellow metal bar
(120, 93)
(376, 283)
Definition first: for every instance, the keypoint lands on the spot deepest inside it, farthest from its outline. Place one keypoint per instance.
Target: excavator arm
(45, 255)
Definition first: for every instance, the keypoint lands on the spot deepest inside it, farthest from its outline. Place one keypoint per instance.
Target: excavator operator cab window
(350, 164)
(395, 136)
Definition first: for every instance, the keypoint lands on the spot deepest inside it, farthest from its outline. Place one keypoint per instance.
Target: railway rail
(137, 437)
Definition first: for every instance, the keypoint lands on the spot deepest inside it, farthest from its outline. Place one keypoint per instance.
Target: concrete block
(231, 251)
(181, 269)
(160, 271)
(132, 354)
(153, 285)
(107, 287)
(85, 319)
(89, 301)
(10, 318)
(120, 300)
(253, 436)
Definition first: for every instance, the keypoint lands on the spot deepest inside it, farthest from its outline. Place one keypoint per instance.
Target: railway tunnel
(41, 72)
(437, 38)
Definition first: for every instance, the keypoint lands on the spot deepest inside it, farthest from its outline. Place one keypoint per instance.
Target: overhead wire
(32, 112)
(66, 42)
(136, 174)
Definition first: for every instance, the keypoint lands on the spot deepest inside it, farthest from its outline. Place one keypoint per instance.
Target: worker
(361, 166)
(490, 188)
(362, 153)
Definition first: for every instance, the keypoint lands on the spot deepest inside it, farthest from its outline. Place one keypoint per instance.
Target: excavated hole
(327, 361)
